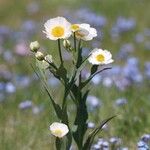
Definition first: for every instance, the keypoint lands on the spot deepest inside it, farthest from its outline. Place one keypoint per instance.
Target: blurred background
(25, 110)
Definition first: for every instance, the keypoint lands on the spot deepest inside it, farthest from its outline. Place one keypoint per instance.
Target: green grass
(25, 131)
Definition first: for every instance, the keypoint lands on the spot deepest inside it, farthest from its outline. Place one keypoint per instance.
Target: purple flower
(91, 18)
(2, 97)
(125, 50)
(93, 102)
(142, 146)
(25, 104)
(115, 140)
(145, 138)
(33, 7)
(124, 24)
(147, 69)
(121, 101)
(139, 38)
(107, 82)
(22, 81)
(131, 71)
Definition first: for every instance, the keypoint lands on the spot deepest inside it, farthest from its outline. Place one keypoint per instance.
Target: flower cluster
(59, 29)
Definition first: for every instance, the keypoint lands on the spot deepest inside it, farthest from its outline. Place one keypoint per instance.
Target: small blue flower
(25, 104)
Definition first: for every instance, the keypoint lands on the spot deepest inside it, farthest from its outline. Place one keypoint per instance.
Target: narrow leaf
(91, 137)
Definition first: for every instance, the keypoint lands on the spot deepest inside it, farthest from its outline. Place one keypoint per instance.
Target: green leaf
(81, 121)
(69, 141)
(62, 72)
(91, 77)
(91, 137)
(42, 64)
(94, 69)
(56, 106)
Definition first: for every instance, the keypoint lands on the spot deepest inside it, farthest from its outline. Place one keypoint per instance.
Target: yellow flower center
(75, 27)
(58, 31)
(100, 58)
(58, 132)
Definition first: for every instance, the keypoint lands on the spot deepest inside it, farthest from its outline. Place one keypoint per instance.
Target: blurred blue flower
(147, 69)
(131, 70)
(33, 7)
(142, 146)
(53, 82)
(8, 57)
(125, 50)
(10, 88)
(91, 125)
(115, 140)
(91, 18)
(29, 27)
(2, 97)
(22, 81)
(2, 86)
(125, 24)
(93, 102)
(121, 101)
(5, 33)
(139, 38)
(147, 32)
(25, 104)
(145, 138)
(107, 82)
(96, 80)
(37, 109)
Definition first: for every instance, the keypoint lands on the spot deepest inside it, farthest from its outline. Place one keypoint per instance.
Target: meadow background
(25, 109)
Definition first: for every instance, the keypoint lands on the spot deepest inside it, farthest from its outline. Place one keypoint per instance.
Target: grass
(25, 131)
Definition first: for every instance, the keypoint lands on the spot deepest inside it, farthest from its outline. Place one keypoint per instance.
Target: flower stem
(59, 48)
(58, 144)
(74, 37)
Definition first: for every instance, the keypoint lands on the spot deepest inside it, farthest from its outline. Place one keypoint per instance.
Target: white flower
(59, 129)
(84, 31)
(57, 28)
(100, 57)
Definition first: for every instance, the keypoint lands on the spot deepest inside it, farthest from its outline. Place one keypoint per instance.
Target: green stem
(75, 47)
(58, 144)
(59, 48)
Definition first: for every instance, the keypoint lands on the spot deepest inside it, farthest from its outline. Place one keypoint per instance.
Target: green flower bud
(66, 44)
(34, 46)
(48, 58)
(39, 56)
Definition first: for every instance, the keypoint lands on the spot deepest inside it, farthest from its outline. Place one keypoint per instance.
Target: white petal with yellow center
(100, 57)
(57, 28)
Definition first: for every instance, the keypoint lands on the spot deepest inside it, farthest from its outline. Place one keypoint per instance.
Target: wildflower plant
(71, 37)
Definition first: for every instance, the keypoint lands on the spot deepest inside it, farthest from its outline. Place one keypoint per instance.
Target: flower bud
(66, 44)
(39, 56)
(59, 129)
(34, 46)
(48, 58)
